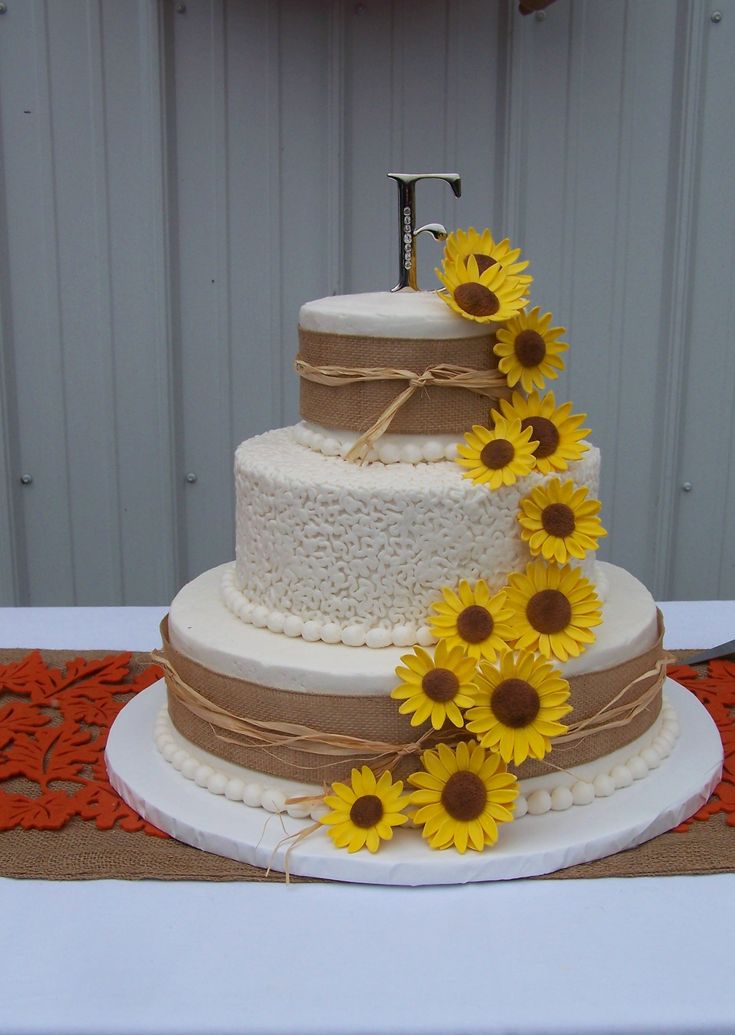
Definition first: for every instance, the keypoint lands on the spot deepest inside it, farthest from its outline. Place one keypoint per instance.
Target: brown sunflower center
(549, 611)
(484, 262)
(558, 519)
(476, 299)
(464, 796)
(530, 348)
(544, 432)
(515, 703)
(497, 454)
(475, 624)
(440, 684)
(366, 811)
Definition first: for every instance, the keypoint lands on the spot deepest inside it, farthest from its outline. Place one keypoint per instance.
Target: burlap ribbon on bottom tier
(318, 738)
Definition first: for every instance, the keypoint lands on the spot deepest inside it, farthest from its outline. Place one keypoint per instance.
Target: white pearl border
(390, 449)
(252, 793)
(328, 632)
(538, 802)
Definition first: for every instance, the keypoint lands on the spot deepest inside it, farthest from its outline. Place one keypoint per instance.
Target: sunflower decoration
(473, 619)
(559, 522)
(365, 811)
(556, 429)
(486, 251)
(462, 795)
(529, 349)
(521, 701)
(499, 455)
(554, 610)
(491, 296)
(436, 688)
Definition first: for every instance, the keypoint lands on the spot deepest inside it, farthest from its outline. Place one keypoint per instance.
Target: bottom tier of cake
(211, 818)
(263, 718)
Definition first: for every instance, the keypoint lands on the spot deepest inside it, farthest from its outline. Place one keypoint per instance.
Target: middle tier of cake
(330, 551)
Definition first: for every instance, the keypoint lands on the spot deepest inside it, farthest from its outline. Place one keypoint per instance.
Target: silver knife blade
(721, 651)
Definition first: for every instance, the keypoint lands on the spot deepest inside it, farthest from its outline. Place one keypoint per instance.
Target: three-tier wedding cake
(416, 632)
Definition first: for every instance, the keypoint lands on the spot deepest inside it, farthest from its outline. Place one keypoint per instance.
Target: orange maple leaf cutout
(53, 730)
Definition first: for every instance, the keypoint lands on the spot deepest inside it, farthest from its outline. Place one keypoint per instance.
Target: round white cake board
(527, 847)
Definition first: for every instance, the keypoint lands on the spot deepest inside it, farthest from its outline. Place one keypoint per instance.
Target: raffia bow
(489, 383)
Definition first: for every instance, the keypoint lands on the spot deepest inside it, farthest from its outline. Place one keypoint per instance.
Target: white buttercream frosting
(202, 628)
(336, 552)
(388, 314)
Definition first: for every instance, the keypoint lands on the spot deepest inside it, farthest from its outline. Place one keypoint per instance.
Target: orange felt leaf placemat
(60, 819)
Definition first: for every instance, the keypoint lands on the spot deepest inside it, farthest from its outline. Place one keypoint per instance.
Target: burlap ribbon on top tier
(372, 385)
(318, 738)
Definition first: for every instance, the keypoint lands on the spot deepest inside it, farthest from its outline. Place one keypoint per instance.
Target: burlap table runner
(79, 850)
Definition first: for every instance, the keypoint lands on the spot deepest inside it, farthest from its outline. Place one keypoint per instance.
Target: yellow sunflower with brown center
(554, 610)
(489, 297)
(461, 244)
(559, 522)
(364, 812)
(556, 429)
(462, 795)
(436, 688)
(473, 619)
(499, 455)
(521, 700)
(530, 350)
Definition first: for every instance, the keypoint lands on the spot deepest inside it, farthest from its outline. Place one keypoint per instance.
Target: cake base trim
(670, 793)
(283, 732)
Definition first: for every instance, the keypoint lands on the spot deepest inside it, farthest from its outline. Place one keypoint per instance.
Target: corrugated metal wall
(178, 177)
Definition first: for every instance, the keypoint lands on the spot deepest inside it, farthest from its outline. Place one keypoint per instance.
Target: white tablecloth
(636, 955)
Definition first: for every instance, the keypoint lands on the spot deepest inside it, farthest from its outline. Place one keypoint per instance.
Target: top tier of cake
(389, 314)
(370, 345)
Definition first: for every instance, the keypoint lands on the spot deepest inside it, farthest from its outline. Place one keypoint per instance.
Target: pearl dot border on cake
(391, 449)
(328, 632)
(537, 803)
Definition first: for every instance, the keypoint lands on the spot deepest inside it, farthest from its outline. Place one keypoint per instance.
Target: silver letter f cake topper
(407, 221)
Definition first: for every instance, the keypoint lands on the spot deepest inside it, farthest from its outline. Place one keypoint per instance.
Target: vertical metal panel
(32, 317)
(177, 182)
(702, 553)
(253, 217)
(306, 72)
(196, 106)
(88, 323)
(10, 529)
(139, 308)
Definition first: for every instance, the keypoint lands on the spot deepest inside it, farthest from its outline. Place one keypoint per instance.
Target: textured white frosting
(389, 449)
(553, 792)
(388, 314)
(333, 551)
(202, 628)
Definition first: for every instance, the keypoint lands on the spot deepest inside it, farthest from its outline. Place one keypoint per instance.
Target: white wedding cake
(416, 631)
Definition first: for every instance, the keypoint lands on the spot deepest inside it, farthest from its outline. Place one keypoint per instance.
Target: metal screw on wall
(3, 8)
(687, 487)
(26, 479)
(191, 477)
(540, 16)
(181, 8)
(716, 17)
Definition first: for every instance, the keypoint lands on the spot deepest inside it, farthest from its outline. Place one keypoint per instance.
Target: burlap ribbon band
(318, 738)
(371, 385)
